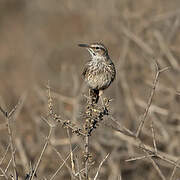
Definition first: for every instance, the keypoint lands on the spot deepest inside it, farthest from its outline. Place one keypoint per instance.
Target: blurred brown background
(38, 42)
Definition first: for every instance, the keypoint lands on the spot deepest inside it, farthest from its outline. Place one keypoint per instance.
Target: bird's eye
(97, 48)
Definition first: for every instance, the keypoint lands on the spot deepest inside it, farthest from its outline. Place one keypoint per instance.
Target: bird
(99, 72)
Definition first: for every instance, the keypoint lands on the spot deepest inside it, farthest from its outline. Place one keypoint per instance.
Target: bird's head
(96, 49)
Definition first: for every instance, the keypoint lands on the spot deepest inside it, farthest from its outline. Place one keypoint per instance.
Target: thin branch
(157, 168)
(100, 165)
(137, 142)
(4, 173)
(22, 153)
(8, 117)
(18, 106)
(1, 161)
(174, 170)
(79, 174)
(158, 72)
(11, 145)
(42, 152)
(139, 158)
(5, 113)
(60, 156)
(8, 167)
(153, 136)
(154, 164)
(54, 175)
(119, 127)
(72, 158)
(87, 156)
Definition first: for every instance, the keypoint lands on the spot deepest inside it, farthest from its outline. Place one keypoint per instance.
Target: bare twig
(9, 117)
(4, 173)
(72, 157)
(174, 170)
(11, 145)
(100, 165)
(60, 156)
(43, 151)
(153, 136)
(139, 158)
(87, 155)
(7, 167)
(79, 174)
(158, 72)
(54, 175)
(22, 153)
(136, 142)
(153, 162)
(119, 127)
(149, 155)
(1, 161)
(154, 108)
(3, 112)
(156, 167)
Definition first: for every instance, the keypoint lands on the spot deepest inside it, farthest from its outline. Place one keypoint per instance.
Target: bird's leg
(100, 95)
(102, 101)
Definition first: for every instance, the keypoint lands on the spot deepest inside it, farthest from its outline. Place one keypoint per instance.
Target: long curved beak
(84, 45)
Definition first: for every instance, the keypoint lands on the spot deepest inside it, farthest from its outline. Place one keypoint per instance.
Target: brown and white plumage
(99, 72)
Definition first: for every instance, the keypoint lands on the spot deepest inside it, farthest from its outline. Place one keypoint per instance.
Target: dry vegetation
(44, 129)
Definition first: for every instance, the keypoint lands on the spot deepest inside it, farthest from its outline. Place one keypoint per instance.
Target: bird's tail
(94, 94)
